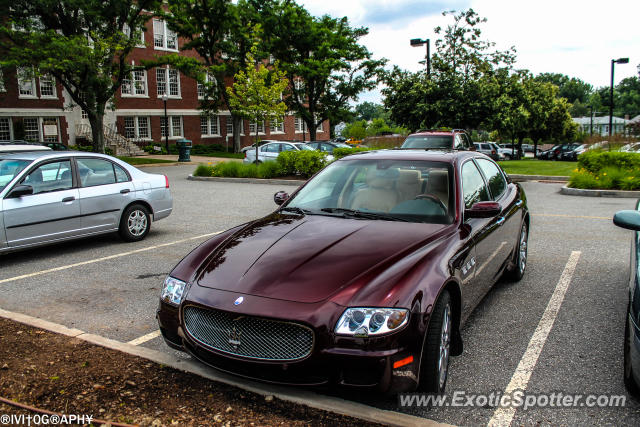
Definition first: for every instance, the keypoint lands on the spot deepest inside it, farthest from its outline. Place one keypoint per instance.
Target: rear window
(428, 141)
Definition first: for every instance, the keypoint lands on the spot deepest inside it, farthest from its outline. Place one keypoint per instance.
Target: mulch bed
(70, 376)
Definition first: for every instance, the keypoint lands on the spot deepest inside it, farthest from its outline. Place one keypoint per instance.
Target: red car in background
(363, 277)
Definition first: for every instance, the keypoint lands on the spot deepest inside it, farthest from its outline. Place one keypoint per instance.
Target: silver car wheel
(523, 249)
(445, 342)
(137, 223)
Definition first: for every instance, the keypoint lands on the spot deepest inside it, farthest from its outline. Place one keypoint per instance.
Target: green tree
(83, 44)
(356, 130)
(257, 91)
(369, 111)
(322, 58)
(570, 88)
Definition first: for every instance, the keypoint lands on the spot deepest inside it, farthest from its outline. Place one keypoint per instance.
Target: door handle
(500, 221)
(68, 199)
(125, 191)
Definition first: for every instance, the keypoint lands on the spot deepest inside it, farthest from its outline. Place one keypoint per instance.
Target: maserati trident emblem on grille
(238, 301)
(234, 338)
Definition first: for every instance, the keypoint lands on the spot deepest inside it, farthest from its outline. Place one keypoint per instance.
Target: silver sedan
(47, 197)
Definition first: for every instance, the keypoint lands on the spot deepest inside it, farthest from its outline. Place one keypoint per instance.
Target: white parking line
(92, 261)
(520, 378)
(143, 339)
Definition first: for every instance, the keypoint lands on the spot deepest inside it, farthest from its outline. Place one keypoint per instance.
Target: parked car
(630, 219)
(555, 153)
(511, 151)
(572, 155)
(271, 150)
(432, 232)
(431, 139)
(487, 149)
(56, 146)
(20, 147)
(327, 146)
(253, 146)
(546, 154)
(49, 197)
(632, 147)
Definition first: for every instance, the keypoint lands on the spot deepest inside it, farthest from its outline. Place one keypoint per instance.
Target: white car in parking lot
(271, 150)
(51, 196)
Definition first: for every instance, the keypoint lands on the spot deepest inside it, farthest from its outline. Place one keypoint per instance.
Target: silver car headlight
(365, 322)
(173, 291)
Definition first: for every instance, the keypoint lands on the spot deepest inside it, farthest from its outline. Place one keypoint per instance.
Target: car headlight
(365, 322)
(173, 291)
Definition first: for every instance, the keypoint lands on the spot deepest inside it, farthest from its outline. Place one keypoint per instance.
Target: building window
(31, 128)
(210, 126)
(2, 88)
(85, 115)
(175, 127)
(163, 37)
(252, 128)
(51, 129)
(299, 125)
(209, 80)
(47, 87)
(5, 129)
(319, 128)
(137, 127)
(168, 78)
(276, 126)
(135, 84)
(298, 84)
(26, 84)
(139, 38)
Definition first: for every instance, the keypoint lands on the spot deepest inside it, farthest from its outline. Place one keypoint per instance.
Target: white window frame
(132, 83)
(50, 80)
(319, 128)
(38, 128)
(6, 121)
(136, 127)
(2, 87)
(200, 87)
(127, 32)
(161, 33)
(21, 81)
(252, 128)
(229, 126)
(276, 126)
(299, 125)
(163, 77)
(50, 138)
(211, 123)
(174, 121)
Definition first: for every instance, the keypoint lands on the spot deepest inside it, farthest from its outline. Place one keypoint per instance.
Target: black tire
(135, 223)
(517, 272)
(434, 367)
(629, 380)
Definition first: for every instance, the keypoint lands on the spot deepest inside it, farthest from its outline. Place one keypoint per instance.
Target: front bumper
(334, 360)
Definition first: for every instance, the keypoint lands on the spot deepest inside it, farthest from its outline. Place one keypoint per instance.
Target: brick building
(39, 109)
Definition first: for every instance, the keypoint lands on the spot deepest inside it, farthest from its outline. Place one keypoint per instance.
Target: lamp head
(621, 61)
(417, 42)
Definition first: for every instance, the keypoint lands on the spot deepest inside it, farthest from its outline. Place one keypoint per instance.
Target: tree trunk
(535, 149)
(312, 130)
(237, 130)
(97, 131)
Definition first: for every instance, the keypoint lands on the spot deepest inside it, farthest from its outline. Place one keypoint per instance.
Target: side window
(270, 148)
(467, 142)
(121, 175)
(95, 172)
(497, 183)
(473, 187)
(325, 148)
(458, 143)
(287, 147)
(54, 176)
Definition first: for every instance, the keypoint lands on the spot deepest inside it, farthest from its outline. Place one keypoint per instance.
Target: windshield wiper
(296, 210)
(366, 215)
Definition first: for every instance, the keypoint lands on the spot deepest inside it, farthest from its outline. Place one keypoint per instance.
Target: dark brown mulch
(70, 376)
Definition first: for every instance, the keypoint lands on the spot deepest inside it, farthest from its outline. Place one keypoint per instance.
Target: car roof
(447, 156)
(37, 155)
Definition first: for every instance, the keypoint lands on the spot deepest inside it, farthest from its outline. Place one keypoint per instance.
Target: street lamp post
(613, 62)
(165, 97)
(420, 42)
(591, 117)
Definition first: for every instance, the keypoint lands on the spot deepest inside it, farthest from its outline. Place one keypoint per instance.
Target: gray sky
(576, 38)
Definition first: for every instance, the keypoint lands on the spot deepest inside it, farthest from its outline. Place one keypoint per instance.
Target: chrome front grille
(247, 336)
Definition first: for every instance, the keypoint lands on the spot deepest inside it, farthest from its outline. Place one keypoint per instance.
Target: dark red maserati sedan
(363, 276)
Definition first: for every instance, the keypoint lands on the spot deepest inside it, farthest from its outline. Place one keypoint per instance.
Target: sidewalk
(195, 160)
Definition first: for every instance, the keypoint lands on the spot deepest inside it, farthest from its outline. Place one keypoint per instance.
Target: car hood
(308, 258)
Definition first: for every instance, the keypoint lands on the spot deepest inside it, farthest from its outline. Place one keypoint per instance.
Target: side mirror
(20, 190)
(627, 219)
(280, 197)
(483, 210)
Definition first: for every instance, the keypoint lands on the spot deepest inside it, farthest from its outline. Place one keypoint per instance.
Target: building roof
(604, 120)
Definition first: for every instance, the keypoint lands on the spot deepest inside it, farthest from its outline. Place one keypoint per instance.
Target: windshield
(395, 190)
(428, 141)
(9, 168)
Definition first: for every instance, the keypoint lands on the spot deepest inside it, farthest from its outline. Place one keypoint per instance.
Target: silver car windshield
(402, 190)
(9, 168)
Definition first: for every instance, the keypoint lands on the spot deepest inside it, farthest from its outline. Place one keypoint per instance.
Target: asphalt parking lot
(107, 287)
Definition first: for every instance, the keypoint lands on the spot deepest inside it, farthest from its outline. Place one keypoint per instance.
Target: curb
(293, 395)
(295, 182)
(599, 193)
(156, 165)
(522, 178)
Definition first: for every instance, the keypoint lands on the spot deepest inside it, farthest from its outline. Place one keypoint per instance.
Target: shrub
(339, 153)
(583, 179)
(203, 170)
(594, 161)
(287, 162)
(309, 162)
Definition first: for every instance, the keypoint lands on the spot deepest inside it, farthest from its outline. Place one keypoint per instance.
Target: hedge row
(607, 170)
(596, 160)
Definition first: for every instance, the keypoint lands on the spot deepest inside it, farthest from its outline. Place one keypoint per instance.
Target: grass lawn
(223, 154)
(538, 167)
(143, 160)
